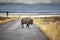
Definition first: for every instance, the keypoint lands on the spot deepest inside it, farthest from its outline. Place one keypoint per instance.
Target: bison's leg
(22, 25)
(27, 26)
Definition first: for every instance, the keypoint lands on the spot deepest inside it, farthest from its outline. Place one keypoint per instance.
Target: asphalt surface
(13, 31)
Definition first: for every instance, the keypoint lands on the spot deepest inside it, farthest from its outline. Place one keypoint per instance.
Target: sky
(30, 1)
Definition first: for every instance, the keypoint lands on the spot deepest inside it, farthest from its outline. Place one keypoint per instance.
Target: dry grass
(50, 26)
(2, 21)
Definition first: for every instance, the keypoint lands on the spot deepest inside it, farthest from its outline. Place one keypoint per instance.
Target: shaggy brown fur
(26, 21)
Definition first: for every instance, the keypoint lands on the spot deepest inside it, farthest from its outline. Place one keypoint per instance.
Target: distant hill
(29, 8)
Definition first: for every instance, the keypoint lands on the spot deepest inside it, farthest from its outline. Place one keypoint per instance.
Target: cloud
(30, 1)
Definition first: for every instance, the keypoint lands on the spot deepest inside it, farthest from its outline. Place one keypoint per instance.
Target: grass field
(6, 19)
(50, 26)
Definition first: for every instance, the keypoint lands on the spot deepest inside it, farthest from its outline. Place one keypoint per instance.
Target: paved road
(15, 32)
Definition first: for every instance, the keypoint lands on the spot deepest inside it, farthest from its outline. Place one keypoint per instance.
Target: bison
(26, 21)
